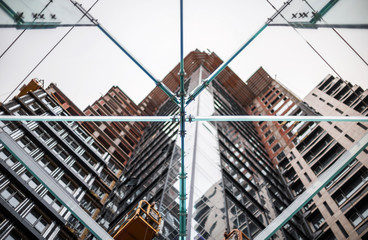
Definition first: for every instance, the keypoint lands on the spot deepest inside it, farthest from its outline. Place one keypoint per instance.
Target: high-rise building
(340, 210)
(65, 152)
(231, 180)
(119, 138)
(239, 174)
(275, 99)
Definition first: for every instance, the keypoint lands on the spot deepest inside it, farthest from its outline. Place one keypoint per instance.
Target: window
(359, 212)
(281, 156)
(82, 133)
(322, 99)
(113, 167)
(47, 165)
(67, 184)
(36, 108)
(87, 205)
(56, 126)
(50, 199)
(276, 147)
(13, 235)
(362, 126)
(317, 148)
(338, 129)
(351, 186)
(299, 165)
(350, 138)
(106, 178)
(26, 144)
(86, 156)
(267, 133)
(271, 140)
(346, 169)
(42, 134)
(342, 229)
(339, 111)
(327, 158)
(37, 221)
(316, 220)
(7, 157)
(28, 178)
(329, 210)
(307, 177)
(78, 169)
(72, 143)
(50, 103)
(330, 105)
(98, 148)
(12, 196)
(59, 150)
(97, 190)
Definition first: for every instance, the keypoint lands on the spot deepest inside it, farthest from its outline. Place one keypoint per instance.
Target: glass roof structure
(315, 14)
(45, 14)
(41, 14)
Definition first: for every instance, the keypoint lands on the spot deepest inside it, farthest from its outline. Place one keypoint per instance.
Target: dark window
(339, 111)
(37, 221)
(271, 140)
(350, 138)
(342, 229)
(299, 165)
(351, 186)
(359, 212)
(307, 177)
(328, 208)
(338, 129)
(276, 147)
(362, 126)
(12, 196)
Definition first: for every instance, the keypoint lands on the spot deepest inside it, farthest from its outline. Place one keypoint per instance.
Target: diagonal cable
(207, 81)
(7, 49)
(50, 51)
(291, 25)
(310, 45)
(342, 38)
(158, 83)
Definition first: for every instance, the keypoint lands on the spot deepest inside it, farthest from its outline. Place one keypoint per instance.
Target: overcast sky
(86, 63)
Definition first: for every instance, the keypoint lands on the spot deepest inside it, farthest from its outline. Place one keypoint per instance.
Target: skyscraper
(239, 174)
(231, 181)
(340, 210)
(62, 154)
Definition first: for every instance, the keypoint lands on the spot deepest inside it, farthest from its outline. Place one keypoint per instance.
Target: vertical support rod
(206, 82)
(182, 175)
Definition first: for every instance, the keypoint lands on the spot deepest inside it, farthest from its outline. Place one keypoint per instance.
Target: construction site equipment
(236, 234)
(140, 223)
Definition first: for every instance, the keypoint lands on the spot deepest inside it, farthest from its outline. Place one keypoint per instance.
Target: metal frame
(182, 101)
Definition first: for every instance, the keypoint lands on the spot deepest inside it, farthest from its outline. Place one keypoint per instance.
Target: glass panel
(6, 193)
(206, 206)
(315, 13)
(31, 217)
(40, 14)
(41, 225)
(15, 200)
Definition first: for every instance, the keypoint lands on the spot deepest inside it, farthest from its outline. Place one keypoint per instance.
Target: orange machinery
(236, 234)
(141, 223)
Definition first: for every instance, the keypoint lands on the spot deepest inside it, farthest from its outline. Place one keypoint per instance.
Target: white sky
(86, 64)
